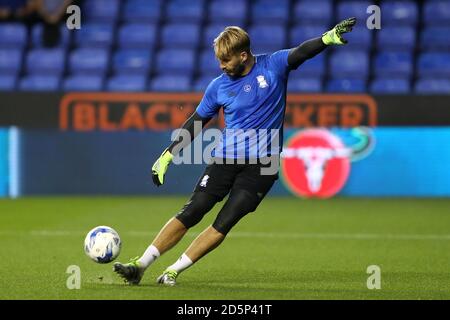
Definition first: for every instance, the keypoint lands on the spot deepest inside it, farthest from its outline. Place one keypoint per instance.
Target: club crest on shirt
(262, 82)
(247, 88)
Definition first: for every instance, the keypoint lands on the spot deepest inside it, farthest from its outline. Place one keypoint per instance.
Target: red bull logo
(315, 163)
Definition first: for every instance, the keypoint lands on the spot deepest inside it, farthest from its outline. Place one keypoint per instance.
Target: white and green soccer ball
(102, 244)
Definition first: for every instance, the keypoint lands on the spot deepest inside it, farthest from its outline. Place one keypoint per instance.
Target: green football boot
(168, 278)
(131, 272)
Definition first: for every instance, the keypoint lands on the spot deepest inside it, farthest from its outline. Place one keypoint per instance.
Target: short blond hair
(232, 40)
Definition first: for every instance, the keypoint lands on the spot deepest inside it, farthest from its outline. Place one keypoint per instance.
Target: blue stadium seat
(436, 13)
(229, 11)
(346, 85)
(39, 83)
(142, 11)
(135, 35)
(211, 32)
(318, 12)
(175, 61)
(7, 82)
(269, 10)
(349, 64)
(13, 35)
(360, 38)
(94, 35)
(106, 11)
(435, 38)
(396, 38)
(83, 83)
(432, 86)
(10, 61)
(126, 82)
(346, 9)
(394, 64)
(209, 65)
(178, 35)
(132, 61)
(299, 34)
(87, 60)
(312, 67)
(434, 64)
(305, 85)
(398, 13)
(173, 83)
(390, 86)
(186, 11)
(267, 38)
(36, 36)
(200, 84)
(46, 61)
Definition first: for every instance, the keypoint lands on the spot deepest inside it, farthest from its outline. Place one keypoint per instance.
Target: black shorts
(221, 179)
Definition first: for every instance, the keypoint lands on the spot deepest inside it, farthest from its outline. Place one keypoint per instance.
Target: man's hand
(334, 36)
(159, 168)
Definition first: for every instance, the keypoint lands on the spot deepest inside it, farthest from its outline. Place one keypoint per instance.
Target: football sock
(149, 256)
(181, 264)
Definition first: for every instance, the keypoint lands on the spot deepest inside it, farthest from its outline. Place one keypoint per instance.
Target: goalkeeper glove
(159, 168)
(334, 36)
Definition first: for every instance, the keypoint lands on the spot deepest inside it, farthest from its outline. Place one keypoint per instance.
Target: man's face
(233, 65)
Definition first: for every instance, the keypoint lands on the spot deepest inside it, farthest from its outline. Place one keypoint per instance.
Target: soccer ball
(102, 244)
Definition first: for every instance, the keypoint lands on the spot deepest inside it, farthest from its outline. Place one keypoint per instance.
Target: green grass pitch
(288, 249)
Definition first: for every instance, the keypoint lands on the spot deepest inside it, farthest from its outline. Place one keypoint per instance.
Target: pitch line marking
(242, 234)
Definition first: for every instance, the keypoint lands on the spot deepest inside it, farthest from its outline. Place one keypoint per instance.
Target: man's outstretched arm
(182, 140)
(311, 48)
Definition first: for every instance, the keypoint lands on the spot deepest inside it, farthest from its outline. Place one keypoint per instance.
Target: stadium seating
(103, 11)
(318, 12)
(231, 11)
(435, 38)
(436, 13)
(135, 35)
(313, 67)
(211, 31)
(13, 35)
(432, 86)
(171, 83)
(396, 38)
(46, 61)
(139, 45)
(37, 40)
(175, 61)
(142, 11)
(434, 64)
(7, 82)
(346, 85)
(126, 82)
(396, 13)
(394, 64)
(305, 85)
(186, 11)
(135, 61)
(10, 61)
(39, 83)
(389, 85)
(267, 37)
(87, 60)
(94, 35)
(180, 35)
(270, 11)
(83, 83)
(350, 63)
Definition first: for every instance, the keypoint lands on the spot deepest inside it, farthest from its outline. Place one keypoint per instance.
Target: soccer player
(252, 93)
